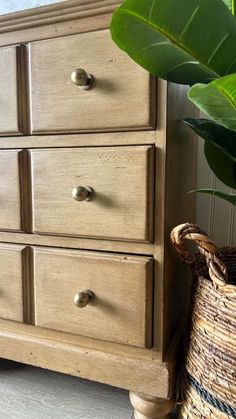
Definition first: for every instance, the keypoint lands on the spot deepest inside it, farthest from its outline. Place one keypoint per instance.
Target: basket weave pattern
(209, 382)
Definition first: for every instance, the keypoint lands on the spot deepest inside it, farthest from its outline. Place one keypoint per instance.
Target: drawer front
(121, 308)
(9, 118)
(11, 282)
(121, 181)
(10, 207)
(119, 98)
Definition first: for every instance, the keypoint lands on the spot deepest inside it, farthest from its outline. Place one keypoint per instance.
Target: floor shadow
(6, 365)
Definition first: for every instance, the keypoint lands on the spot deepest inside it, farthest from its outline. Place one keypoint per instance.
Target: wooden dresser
(95, 166)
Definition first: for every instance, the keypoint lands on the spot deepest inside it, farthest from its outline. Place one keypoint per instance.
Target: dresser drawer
(120, 179)
(9, 117)
(120, 95)
(10, 206)
(11, 282)
(121, 287)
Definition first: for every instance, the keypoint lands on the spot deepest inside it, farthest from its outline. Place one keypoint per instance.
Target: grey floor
(32, 393)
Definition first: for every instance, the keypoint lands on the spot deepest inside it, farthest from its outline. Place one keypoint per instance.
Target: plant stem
(234, 7)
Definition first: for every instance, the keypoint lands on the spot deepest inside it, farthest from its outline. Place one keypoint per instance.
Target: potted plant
(190, 42)
(193, 42)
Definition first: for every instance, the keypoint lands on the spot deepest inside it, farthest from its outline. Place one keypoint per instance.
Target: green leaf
(223, 166)
(185, 41)
(228, 3)
(234, 7)
(231, 198)
(222, 137)
(217, 99)
(220, 148)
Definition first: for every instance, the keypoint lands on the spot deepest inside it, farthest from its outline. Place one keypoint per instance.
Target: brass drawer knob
(83, 298)
(82, 79)
(82, 193)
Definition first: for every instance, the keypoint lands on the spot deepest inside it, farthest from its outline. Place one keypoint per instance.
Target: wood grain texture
(122, 286)
(160, 233)
(26, 194)
(23, 89)
(58, 105)
(76, 243)
(11, 282)
(29, 392)
(28, 285)
(146, 407)
(60, 28)
(40, 333)
(121, 178)
(180, 178)
(9, 118)
(10, 199)
(118, 365)
(80, 140)
(175, 158)
(67, 17)
(50, 14)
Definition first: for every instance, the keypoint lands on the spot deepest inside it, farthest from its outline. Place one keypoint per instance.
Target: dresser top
(58, 19)
(11, 6)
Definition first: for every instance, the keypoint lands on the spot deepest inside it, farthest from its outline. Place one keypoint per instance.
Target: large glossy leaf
(231, 4)
(222, 165)
(231, 198)
(228, 3)
(217, 99)
(222, 137)
(220, 148)
(185, 41)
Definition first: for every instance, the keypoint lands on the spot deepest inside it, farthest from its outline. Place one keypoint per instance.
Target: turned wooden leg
(146, 407)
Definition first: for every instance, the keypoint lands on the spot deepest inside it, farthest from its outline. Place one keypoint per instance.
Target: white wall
(213, 214)
(7, 6)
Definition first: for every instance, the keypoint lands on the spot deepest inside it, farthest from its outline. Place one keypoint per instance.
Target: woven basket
(209, 378)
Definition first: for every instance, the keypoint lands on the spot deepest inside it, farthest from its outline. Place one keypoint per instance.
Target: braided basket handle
(217, 269)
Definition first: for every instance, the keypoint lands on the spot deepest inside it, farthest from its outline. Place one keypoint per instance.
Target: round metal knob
(82, 193)
(83, 298)
(82, 79)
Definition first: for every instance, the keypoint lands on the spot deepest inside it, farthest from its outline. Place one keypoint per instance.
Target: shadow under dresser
(100, 165)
